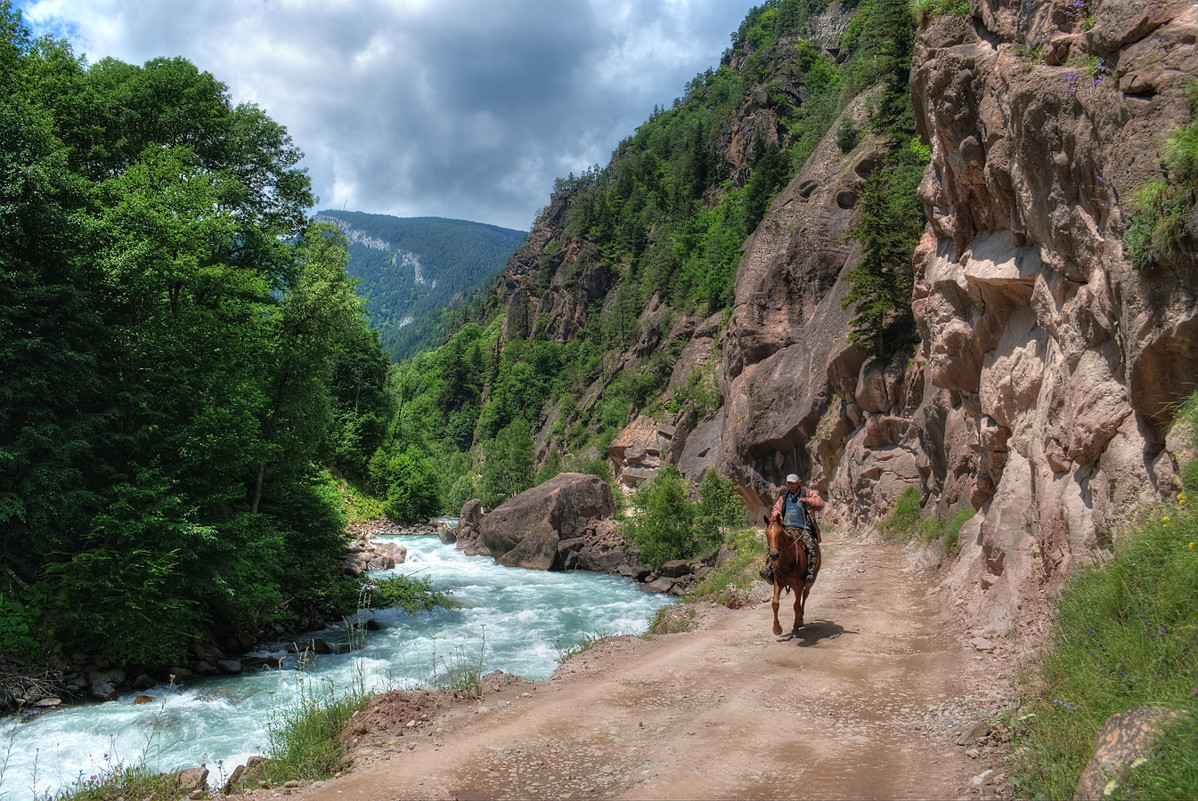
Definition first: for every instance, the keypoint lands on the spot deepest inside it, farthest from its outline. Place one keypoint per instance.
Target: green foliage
(1123, 637)
(1160, 231)
(412, 594)
(927, 9)
(908, 521)
(847, 135)
(664, 528)
(508, 466)
(407, 481)
(178, 348)
(21, 609)
(670, 526)
(720, 509)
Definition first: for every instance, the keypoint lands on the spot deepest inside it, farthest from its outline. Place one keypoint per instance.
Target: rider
(791, 511)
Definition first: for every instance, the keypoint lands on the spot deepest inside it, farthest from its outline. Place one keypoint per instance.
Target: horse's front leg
(777, 596)
(801, 590)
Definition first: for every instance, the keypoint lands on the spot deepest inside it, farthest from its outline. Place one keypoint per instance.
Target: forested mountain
(613, 307)
(181, 350)
(410, 270)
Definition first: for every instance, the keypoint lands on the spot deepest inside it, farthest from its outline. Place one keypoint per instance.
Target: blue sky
(451, 108)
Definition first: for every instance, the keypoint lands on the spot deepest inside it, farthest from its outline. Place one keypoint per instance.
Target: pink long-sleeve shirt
(811, 498)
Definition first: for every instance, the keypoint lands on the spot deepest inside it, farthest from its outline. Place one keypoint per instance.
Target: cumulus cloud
(456, 108)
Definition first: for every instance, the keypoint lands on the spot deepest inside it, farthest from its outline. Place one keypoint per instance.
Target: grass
(1126, 635)
(359, 505)
(120, 782)
(305, 740)
(907, 521)
(460, 672)
(730, 583)
(586, 643)
(673, 619)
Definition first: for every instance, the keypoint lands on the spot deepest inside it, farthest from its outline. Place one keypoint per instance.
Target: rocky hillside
(1040, 388)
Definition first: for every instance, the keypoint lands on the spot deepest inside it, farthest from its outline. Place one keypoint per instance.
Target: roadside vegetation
(907, 521)
(1126, 635)
(1162, 229)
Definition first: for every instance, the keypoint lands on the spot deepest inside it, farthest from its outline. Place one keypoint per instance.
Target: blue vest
(794, 514)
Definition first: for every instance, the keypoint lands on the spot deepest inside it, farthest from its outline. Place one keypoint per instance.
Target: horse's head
(773, 537)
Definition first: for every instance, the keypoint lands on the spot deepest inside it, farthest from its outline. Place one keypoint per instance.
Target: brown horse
(789, 560)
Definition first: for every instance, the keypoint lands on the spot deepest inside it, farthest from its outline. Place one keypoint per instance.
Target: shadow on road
(816, 630)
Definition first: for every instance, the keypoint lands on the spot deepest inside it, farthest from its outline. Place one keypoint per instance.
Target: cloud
(456, 108)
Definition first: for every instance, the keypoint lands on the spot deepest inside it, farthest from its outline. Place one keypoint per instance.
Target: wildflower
(1181, 498)
(1191, 543)
(1165, 519)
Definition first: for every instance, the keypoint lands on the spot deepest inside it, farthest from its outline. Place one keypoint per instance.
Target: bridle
(776, 553)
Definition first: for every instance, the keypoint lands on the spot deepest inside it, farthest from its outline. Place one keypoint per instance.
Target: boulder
(446, 533)
(526, 530)
(191, 779)
(468, 537)
(232, 667)
(1124, 737)
(663, 584)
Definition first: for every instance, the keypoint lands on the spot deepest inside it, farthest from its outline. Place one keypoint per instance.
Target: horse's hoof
(777, 630)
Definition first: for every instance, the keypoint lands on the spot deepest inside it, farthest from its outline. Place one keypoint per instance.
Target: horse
(789, 560)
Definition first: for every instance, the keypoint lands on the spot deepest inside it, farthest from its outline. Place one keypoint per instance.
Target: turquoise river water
(512, 619)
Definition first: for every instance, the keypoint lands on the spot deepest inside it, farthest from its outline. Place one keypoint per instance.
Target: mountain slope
(411, 269)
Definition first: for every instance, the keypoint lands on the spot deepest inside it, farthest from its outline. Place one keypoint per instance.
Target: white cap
(792, 479)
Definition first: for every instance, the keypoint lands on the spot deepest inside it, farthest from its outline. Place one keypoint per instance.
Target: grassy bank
(1126, 635)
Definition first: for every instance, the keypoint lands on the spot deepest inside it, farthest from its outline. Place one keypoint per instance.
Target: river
(512, 619)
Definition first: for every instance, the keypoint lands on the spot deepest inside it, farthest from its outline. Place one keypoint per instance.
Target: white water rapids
(515, 620)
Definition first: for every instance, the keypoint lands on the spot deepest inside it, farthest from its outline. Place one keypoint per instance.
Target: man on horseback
(792, 510)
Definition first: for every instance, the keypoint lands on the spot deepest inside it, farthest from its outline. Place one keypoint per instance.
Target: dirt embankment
(878, 697)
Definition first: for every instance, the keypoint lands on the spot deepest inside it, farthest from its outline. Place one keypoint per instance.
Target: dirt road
(868, 702)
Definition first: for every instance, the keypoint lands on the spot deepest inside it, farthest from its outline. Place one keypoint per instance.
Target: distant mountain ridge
(411, 268)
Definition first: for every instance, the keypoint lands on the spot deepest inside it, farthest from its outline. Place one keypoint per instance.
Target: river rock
(232, 667)
(663, 584)
(525, 531)
(367, 553)
(469, 538)
(191, 779)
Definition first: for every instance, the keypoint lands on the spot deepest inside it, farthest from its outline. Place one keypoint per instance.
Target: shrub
(410, 594)
(664, 528)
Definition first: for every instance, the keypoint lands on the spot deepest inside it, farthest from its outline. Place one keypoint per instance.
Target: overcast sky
(450, 108)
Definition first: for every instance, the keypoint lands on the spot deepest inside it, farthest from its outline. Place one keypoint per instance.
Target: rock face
(527, 529)
(1041, 390)
(637, 453)
(1040, 394)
